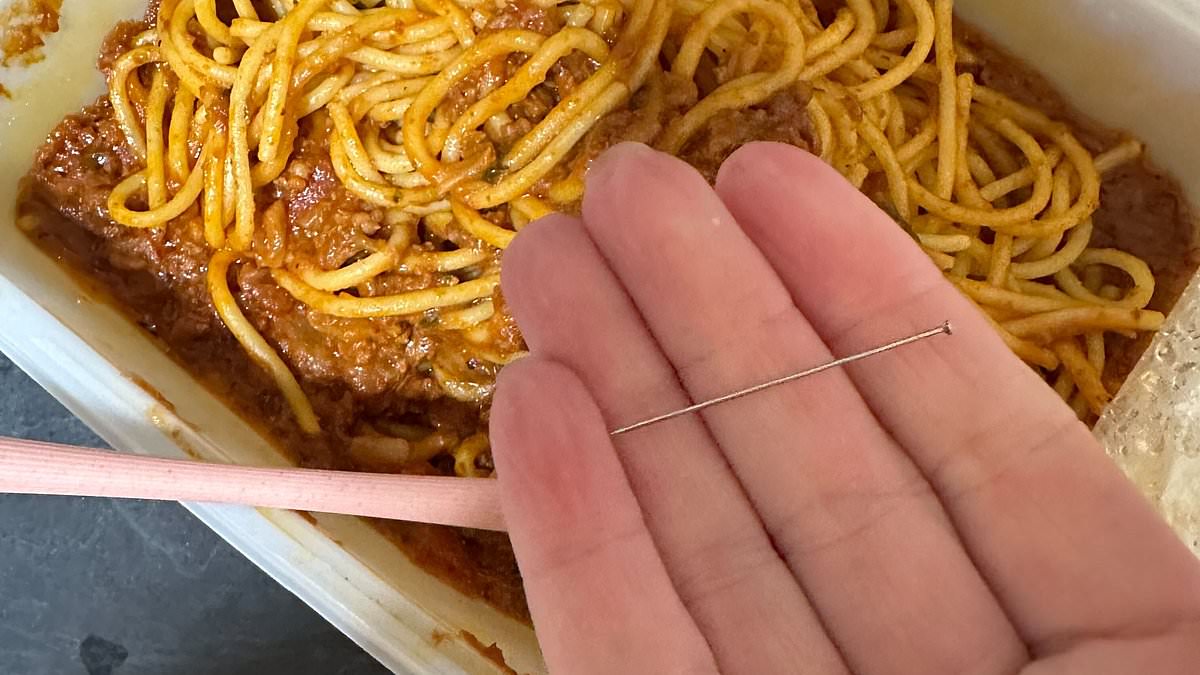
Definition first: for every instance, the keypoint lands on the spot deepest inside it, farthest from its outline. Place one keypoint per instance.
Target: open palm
(935, 510)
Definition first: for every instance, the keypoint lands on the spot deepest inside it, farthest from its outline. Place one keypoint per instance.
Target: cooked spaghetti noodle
(461, 121)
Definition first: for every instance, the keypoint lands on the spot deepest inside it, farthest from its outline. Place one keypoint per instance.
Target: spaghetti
(461, 121)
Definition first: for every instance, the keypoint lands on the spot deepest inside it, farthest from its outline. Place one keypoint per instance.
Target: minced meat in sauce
(374, 371)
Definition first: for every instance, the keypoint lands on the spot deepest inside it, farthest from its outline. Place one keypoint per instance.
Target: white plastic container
(1133, 64)
(110, 374)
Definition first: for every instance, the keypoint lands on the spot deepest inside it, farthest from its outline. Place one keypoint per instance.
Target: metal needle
(943, 329)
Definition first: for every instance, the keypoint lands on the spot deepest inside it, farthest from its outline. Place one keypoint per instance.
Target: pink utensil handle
(31, 467)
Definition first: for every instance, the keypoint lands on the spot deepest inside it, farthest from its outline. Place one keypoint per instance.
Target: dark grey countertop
(109, 587)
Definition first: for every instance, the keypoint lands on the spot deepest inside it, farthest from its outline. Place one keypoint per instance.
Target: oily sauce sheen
(360, 372)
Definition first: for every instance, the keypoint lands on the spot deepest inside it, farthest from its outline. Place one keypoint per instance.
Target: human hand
(936, 509)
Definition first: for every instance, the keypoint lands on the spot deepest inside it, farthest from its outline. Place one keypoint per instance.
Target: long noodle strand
(459, 125)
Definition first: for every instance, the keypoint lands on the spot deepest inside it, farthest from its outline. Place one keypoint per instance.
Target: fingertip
(545, 272)
(519, 391)
(540, 409)
(783, 196)
(631, 177)
(522, 431)
(537, 234)
(592, 574)
(556, 464)
(615, 162)
(761, 160)
(521, 258)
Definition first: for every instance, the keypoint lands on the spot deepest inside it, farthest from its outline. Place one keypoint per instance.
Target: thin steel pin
(944, 329)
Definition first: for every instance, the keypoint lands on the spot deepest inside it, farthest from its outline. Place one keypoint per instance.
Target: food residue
(168, 423)
(24, 25)
(151, 390)
(491, 652)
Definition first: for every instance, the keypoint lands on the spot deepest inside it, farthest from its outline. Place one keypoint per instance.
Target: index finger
(1065, 541)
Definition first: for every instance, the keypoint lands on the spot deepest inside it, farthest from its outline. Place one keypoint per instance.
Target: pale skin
(936, 509)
